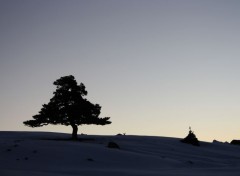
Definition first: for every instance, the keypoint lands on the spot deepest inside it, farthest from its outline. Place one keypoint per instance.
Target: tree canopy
(68, 107)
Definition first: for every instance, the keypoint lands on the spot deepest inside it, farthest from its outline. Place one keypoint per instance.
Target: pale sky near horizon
(155, 66)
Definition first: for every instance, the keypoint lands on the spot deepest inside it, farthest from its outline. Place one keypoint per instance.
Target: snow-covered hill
(50, 154)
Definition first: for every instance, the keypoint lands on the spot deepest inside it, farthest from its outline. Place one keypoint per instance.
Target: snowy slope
(50, 154)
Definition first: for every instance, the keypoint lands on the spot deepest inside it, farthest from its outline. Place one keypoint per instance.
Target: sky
(155, 66)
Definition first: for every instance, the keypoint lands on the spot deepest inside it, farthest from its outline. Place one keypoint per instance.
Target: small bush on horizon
(235, 142)
(191, 138)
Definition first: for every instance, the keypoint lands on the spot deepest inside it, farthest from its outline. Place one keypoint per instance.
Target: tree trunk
(74, 132)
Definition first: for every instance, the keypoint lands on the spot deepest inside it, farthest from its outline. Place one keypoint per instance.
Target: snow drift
(52, 154)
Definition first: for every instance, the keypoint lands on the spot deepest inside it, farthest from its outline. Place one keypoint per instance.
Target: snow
(52, 154)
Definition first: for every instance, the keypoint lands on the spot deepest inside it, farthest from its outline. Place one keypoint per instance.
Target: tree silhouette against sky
(68, 107)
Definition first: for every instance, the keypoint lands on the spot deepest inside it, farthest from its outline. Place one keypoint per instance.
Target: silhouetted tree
(68, 107)
(191, 138)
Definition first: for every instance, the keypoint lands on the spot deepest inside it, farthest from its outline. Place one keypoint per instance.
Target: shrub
(191, 139)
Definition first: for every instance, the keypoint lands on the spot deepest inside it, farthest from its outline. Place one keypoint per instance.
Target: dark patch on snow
(113, 145)
(16, 145)
(190, 162)
(90, 159)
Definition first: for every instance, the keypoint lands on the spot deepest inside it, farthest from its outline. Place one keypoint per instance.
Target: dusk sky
(155, 66)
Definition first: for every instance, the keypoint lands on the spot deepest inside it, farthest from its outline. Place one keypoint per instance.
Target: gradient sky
(155, 66)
